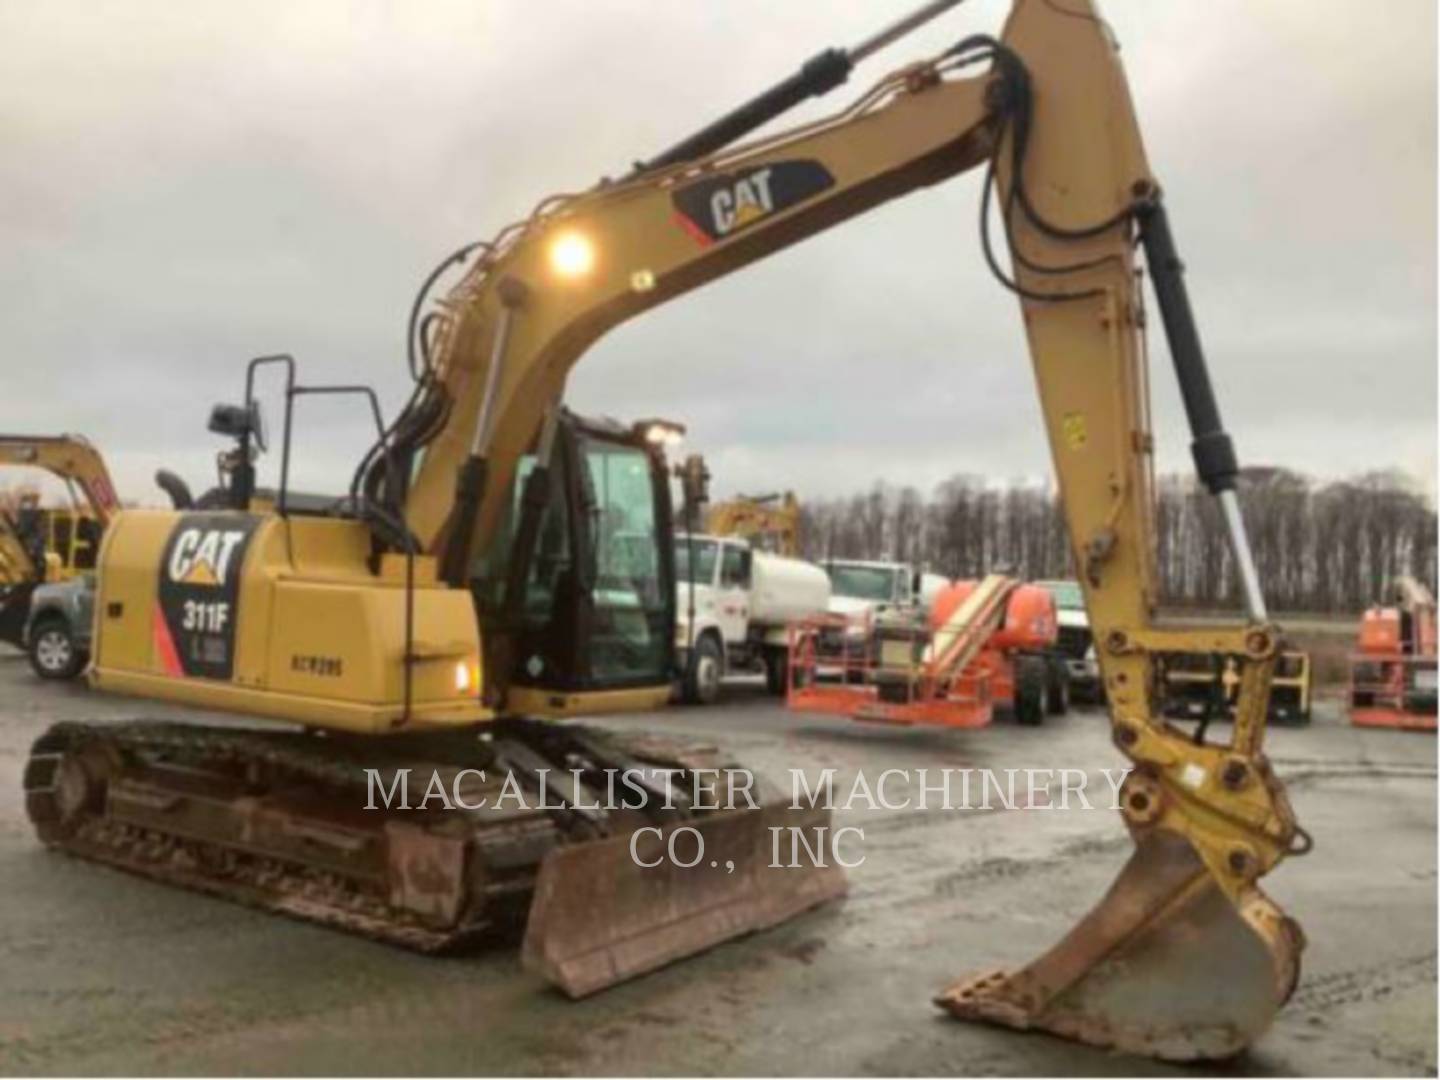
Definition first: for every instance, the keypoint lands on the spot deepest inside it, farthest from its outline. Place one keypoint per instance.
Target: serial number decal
(317, 665)
(720, 205)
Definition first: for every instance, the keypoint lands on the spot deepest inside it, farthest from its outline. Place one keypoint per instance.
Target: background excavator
(770, 522)
(46, 545)
(497, 561)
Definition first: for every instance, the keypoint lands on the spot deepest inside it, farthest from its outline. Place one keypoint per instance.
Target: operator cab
(592, 604)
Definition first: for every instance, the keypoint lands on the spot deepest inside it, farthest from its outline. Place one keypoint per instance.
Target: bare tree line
(1319, 547)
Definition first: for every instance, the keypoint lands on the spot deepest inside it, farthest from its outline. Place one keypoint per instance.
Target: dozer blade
(1166, 966)
(600, 916)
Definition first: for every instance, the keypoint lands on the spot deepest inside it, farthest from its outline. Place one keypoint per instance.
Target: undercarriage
(436, 842)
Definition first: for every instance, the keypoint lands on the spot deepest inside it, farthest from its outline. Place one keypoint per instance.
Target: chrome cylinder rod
(1244, 559)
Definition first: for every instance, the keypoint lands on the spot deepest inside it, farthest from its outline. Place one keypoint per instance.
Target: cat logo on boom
(720, 205)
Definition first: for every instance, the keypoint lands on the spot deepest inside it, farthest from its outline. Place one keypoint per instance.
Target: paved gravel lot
(104, 973)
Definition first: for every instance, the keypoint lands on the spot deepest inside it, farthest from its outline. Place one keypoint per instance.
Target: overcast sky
(186, 185)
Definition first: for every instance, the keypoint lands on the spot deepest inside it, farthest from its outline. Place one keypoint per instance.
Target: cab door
(732, 593)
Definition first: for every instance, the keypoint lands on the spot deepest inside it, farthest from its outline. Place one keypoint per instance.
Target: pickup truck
(57, 628)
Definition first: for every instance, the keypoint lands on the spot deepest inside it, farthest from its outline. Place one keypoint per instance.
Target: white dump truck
(734, 610)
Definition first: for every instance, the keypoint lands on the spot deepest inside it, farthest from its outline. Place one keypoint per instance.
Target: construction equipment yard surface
(106, 973)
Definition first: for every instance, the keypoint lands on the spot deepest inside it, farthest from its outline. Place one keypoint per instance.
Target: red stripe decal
(165, 645)
(696, 233)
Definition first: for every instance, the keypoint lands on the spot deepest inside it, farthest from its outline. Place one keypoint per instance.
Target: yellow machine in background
(1205, 686)
(497, 558)
(50, 543)
(770, 522)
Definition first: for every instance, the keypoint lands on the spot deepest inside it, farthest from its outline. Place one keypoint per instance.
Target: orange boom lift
(1392, 673)
(981, 644)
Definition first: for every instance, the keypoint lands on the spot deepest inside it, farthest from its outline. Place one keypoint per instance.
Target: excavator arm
(774, 516)
(31, 552)
(1185, 957)
(73, 460)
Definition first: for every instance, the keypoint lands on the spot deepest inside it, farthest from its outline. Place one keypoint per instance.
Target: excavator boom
(73, 460)
(768, 520)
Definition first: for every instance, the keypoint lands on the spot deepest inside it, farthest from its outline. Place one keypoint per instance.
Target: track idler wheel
(1166, 965)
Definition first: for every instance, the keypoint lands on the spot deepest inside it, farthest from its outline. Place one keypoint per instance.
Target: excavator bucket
(1167, 965)
(605, 911)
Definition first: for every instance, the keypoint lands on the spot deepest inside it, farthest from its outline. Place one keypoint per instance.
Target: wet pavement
(105, 973)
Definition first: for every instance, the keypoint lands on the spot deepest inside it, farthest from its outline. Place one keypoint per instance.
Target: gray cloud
(184, 186)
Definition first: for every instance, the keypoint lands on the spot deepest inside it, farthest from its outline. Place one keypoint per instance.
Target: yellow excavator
(50, 544)
(769, 521)
(499, 565)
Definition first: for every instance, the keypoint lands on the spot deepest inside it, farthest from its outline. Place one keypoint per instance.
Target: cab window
(705, 554)
(734, 568)
(630, 636)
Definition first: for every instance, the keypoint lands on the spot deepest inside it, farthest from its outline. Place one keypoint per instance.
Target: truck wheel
(702, 678)
(1057, 686)
(1030, 681)
(53, 652)
(777, 669)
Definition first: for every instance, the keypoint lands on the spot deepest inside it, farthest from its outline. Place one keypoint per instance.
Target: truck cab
(1076, 643)
(862, 586)
(733, 606)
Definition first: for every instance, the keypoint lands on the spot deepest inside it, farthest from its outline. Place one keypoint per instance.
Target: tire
(702, 676)
(777, 669)
(52, 649)
(1030, 679)
(1057, 686)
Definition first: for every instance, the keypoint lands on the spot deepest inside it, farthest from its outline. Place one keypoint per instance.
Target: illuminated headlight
(658, 432)
(664, 435)
(572, 254)
(467, 676)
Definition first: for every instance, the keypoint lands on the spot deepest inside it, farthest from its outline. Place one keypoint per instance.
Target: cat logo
(203, 556)
(714, 208)
(741, 204)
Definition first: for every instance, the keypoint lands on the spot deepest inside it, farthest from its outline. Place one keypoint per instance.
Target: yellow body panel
(317, 638)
